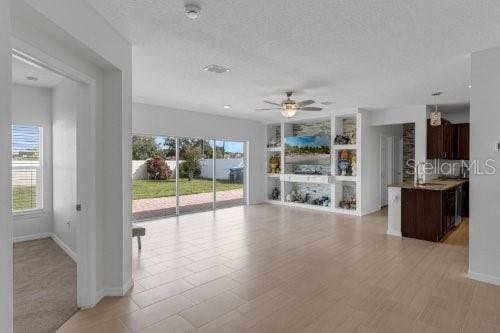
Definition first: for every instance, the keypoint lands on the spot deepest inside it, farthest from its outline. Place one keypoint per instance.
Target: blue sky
(230, 146)
(25, 138)
(308, 141)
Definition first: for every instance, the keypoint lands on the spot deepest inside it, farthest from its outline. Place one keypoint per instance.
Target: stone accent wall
(408, 150)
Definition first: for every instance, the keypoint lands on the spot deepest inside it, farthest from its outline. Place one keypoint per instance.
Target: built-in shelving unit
(325, 175)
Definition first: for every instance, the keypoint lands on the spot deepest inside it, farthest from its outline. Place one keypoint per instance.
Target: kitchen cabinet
(461, 141)
(440, 140)
(448, 141)
(427, 214)
(465, 200)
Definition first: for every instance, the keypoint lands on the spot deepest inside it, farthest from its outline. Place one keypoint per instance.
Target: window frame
(39, 174)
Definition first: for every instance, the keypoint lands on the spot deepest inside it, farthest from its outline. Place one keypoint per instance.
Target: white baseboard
(484, 278)
(32, 237)
(64, 247)
(115, 291)
(56, 239)
(394, 232)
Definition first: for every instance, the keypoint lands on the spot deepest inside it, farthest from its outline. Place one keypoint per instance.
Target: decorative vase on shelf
(274, 164)
(343, 163)
(354, 165)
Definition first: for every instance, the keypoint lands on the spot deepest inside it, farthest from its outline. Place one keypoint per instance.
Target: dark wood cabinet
(440, 140)
(422, 214)
(465, 200)
(448, 141)
(427, 214)
(461, 141)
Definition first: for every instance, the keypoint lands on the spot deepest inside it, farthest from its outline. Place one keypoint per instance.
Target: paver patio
(144, 209)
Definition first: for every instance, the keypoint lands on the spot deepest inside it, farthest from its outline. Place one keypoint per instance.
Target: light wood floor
(268, 268)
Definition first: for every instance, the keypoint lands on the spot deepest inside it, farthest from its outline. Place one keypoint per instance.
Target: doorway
(391, 159)
(52, 108)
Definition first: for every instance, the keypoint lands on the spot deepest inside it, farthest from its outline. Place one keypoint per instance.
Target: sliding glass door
(153, 177)
(195, 180)
(172, 176)
(230, 173)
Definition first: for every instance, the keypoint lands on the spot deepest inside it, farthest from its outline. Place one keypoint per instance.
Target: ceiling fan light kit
(289, 107)
(288, 111)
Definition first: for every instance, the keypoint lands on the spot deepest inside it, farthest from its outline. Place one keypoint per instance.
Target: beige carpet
(44, 286)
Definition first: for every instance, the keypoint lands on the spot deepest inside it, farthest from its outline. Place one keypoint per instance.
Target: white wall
(373, 120)
(33, 106)
(76, 37)
(457, 117)
(6, 291)
(64, 162)
(484, 239)
(156, 120)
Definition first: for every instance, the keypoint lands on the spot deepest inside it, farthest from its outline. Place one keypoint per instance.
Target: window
(26, 168)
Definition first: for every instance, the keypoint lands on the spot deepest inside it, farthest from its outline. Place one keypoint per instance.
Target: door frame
(85, 171)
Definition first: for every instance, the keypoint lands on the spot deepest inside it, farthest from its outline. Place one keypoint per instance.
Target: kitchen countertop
(440, 184)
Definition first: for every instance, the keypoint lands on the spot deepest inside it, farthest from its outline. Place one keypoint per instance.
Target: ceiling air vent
(216, 69)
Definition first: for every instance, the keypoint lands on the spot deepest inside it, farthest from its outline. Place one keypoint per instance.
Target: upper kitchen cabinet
(448, 141)
(461, 141)
(440, 140)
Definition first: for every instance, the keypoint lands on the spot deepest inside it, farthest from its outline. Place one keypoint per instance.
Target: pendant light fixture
(436, 115)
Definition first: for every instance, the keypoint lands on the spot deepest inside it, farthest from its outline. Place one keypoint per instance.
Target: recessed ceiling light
(227, 106)
(31, 78)
(470, 86)
(216, 69)
(192, 11)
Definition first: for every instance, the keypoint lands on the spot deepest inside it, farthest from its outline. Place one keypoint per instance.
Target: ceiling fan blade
(310, 108)
(272, 103)
(268, 109)
(304, 103)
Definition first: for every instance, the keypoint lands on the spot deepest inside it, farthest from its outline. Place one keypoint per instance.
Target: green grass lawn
(23, 198)
(145, 189)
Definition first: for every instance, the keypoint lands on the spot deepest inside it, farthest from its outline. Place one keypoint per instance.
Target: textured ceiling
(21, 70)
(355, 53)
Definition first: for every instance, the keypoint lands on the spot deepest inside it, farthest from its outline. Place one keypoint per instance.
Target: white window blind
(26, 168)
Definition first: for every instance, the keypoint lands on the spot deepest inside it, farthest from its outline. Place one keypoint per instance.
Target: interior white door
(383, 171)
(398, 158)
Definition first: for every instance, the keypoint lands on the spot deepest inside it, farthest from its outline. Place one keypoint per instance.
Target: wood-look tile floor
(268, 268)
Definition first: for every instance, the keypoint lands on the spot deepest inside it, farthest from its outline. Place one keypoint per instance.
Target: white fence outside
(25, 173)
(223, 166)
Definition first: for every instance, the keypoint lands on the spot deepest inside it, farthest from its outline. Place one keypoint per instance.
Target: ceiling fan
(289, 107)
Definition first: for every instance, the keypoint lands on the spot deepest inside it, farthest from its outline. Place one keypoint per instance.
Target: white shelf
(317, 179)
(307, 206)
(345, 147)
(346, 178)
(274, 175)
(345, 211)
(274, 202)
(332, 185)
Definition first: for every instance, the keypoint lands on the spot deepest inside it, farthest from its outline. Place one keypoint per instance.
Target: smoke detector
(192, 11)
(216, 69)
